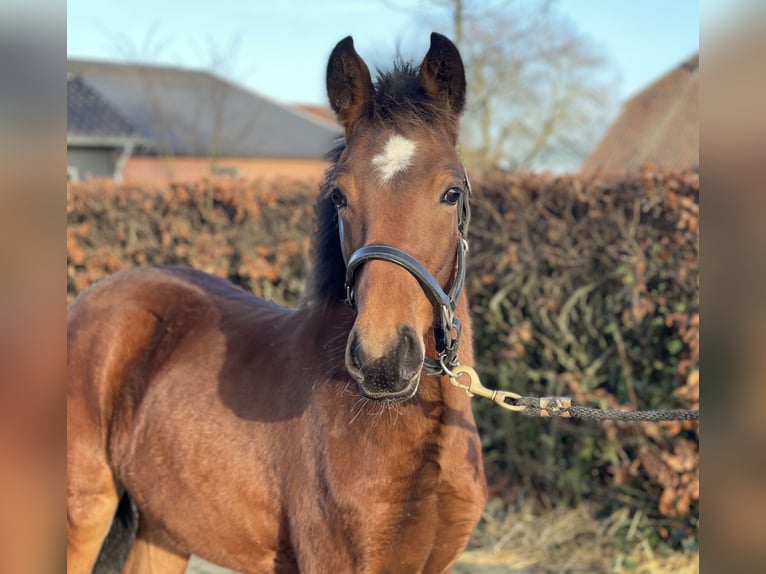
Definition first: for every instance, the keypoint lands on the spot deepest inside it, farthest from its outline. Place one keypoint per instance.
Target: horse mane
(327, 272)
(399, 101)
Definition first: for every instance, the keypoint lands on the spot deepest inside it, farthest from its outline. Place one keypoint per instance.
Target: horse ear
(442, 73)
(349, 86)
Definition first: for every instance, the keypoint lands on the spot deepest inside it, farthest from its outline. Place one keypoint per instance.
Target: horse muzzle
(392, 377)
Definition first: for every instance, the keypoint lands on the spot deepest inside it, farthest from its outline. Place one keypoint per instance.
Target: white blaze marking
(396, 157)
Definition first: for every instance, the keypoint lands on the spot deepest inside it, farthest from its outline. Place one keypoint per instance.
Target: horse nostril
(355, 353)
(409, 354)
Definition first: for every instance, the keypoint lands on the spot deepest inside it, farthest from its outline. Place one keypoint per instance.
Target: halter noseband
(447, 329)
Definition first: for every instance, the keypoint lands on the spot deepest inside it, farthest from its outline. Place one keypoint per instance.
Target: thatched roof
(659, 126)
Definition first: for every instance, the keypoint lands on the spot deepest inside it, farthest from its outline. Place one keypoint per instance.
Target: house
(158, 123)
(323, 112)
(657, 126)
(99, 139)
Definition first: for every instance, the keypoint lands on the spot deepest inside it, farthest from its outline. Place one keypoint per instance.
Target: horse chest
(385, 501)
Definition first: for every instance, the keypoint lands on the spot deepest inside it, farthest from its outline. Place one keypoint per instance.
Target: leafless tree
(153, 46)
(211, 107)
(539, 92)
(224, 63)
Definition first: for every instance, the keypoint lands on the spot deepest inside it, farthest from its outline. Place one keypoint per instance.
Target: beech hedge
(580, 287)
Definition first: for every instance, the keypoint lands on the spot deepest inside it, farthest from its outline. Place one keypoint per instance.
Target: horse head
(400, 193)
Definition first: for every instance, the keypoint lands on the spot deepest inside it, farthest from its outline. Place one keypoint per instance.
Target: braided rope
(561, 407)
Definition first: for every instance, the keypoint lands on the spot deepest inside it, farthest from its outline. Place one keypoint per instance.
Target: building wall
(91, 162)
(146, 169)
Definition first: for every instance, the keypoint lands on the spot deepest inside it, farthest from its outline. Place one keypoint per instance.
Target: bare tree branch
(539, 92)
(210, 107)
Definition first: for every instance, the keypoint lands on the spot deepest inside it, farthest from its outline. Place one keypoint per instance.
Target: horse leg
(92, 498)
(152, 553)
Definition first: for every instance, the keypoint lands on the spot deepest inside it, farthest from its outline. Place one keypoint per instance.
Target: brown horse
(322, 439)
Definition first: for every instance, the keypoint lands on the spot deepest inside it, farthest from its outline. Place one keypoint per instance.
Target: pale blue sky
(283, 45)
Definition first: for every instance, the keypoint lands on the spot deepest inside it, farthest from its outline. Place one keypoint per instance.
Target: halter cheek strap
(448, 327)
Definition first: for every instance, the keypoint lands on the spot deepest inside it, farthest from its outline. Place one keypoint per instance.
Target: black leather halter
(447, 327)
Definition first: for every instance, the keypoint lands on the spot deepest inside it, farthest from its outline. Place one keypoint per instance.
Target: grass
(565, 541)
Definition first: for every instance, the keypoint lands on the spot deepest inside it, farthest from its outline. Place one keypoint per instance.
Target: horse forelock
(400, 101)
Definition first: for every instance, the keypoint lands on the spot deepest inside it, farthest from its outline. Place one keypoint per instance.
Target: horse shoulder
(124, 328)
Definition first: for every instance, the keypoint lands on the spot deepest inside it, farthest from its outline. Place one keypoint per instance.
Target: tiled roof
(196, 113)
(659, 125)
(323, 112)
(89, 115)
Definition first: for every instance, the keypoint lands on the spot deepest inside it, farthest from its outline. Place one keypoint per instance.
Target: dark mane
(326, 281)
(399, 101)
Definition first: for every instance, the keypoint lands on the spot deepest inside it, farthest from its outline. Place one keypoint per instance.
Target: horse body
(310, 469)
(267, 439)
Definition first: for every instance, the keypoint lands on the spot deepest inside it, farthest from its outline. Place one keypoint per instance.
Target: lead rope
(559, 407)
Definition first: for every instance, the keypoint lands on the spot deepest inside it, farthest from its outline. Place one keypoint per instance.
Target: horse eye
(338, 198)
(451, 196)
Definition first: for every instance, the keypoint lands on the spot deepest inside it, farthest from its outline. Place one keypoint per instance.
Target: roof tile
(659, 126)
(195, 113)
(88, 114)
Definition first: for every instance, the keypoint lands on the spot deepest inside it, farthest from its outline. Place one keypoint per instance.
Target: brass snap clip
(474, 387)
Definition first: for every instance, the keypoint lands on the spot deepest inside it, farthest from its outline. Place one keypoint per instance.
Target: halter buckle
(350, 296)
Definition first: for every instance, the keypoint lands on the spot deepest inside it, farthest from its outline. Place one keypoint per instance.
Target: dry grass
(568, 541)
(559, 541)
